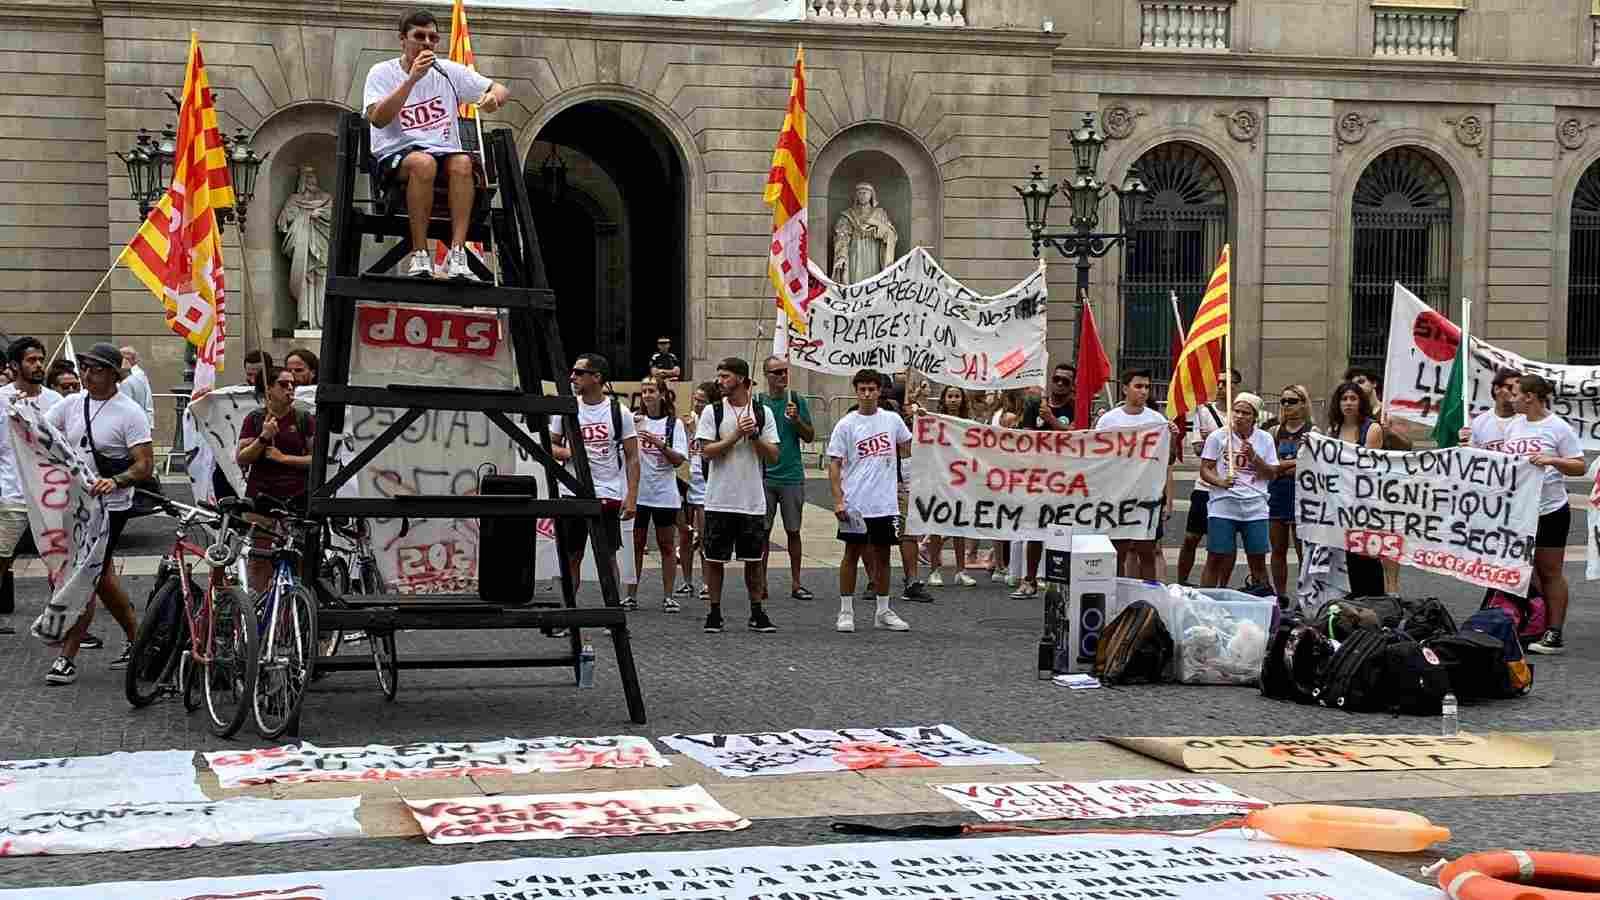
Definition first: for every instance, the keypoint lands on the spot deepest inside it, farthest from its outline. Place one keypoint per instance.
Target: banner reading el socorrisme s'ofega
(913, 315)
(1467, 513)
(983, 481)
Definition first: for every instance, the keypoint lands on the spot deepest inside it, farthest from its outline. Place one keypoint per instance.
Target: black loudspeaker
(507, 547)
(1091, 621)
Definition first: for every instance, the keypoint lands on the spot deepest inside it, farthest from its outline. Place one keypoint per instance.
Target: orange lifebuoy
(1505, 875)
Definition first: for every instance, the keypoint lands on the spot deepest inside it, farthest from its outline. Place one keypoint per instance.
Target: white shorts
(13, 525)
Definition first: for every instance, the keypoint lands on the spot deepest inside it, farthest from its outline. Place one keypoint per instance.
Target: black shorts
(118, 521)
(734, 535)
(882, 531)
(659, 516)
(385, 170)
(1197, 523)
(1553, 528)
(574, 531)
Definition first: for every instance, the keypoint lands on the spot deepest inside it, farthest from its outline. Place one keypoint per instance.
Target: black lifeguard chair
(503, 220)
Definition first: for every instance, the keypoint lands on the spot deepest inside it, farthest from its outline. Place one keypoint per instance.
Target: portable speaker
(1091, 620)
(507, 547)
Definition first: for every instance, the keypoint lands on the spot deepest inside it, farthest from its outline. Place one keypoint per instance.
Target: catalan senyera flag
(461, 49)
(1194, 378)
(177, 252)
(786, 192)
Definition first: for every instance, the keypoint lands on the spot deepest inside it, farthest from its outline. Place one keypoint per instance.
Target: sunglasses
(285, 384)
(425, 37)
(578, 371)
(783, 372)
(1290, 401)
(1060, 379)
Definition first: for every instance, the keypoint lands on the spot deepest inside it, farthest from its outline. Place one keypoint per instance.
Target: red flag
(1094, 369)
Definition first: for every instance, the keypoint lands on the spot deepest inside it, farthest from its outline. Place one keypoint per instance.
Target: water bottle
(586, 666)
(1449, 724)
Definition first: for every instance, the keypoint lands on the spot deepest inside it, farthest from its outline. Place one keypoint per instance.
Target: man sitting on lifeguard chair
(411, 104)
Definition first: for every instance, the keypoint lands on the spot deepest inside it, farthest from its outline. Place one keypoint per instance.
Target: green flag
(1453, 411)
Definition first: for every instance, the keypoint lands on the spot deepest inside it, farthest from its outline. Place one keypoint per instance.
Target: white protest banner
(1220, 866)
(1422, 350)
(96, 828)
(1463, 512)
(1324, 576)
(983, 481)
(847, 749)
(304, 762)
(914, 315)
(70, 526)
(1007, 802)
(69, 782)
(549, 817)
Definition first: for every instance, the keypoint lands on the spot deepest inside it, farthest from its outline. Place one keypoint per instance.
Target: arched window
(1583, 275)
(1400, 226)
(1175, 247)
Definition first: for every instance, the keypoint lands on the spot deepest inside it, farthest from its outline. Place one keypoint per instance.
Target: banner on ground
(144, 776)
(303, 762)
(549, 817)
(1300, 754)
(1009, 802)
(1467, 513)
(1221, 866)
(70, 526)
(825, 750)
(101, 827)
(913, 315)
(1422, 348)
(984, 481)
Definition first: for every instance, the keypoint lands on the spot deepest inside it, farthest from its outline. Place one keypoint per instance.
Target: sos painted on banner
(983, 481)
(1467, 513)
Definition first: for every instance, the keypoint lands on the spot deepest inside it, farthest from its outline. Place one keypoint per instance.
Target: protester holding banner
(1350, 420)
(1551, 444)
(1008, 410)
(1052, 412)
(863, 467)
(25, 365)
(612, 445)
(1371, 381)
(662, 448)
(786, 479)
(275, 451)
(1137, 559)
(737, 438)
(953, 401)
(1294, 423)
(1202, 422)
(690, 524)
(117, 435)
(1238, 505)
(1489, 428)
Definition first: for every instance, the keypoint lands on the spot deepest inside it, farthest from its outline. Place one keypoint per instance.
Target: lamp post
(1085, 191)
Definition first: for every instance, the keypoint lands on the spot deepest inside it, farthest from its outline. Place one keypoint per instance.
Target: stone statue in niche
(863, 238)
(306, 221)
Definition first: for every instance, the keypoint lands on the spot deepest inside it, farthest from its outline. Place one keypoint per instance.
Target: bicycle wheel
(156, 646)
(287, 663)
(385, 661)
(337, 573)
(229, 679)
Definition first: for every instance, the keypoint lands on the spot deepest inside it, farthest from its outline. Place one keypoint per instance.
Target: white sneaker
(456, 265)
(419, 265)
(965, 580)
(997, 576)
(890, 620)
(935, 579)
(846, 622)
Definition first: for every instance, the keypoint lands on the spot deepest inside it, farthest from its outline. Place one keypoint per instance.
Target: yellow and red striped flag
(461, 49)
(1199, 366)
(177, 252)
(786, 192)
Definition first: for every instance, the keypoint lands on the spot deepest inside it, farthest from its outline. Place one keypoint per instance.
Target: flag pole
(85, 307)
(1466, 343)
(1227, 364)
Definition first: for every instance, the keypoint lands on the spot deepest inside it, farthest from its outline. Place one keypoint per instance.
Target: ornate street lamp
(142, 172)
(1085, 192)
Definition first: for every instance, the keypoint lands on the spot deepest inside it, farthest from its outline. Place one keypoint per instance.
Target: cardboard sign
(1220, 866)
(549, 817)
(1421, 353)
(1467, 513)
(1014, 801)
(983, 481)
(305, 762)
(821, 750)
(1341, 752)
(913, 315)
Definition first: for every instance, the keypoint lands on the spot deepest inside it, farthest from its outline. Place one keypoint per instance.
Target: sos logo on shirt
(424, 115)
(597, 435)
(876, 445)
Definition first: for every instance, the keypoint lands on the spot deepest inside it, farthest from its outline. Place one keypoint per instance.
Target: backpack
(1135, 648)
(1426, 618)
(1295, 658)
(1353, 679)
(760, 411)
(1485, 658)
(1337, 620)
(1528, 613)
(1415, 679)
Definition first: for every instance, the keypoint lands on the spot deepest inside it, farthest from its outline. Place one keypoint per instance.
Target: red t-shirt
(275, 479)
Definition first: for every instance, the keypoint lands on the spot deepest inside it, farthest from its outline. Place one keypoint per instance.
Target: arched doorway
(1175, 247)
(1583, 277)
(1401, 219)
(609, 194)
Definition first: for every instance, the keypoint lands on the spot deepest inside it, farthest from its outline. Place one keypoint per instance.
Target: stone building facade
(1338, 145)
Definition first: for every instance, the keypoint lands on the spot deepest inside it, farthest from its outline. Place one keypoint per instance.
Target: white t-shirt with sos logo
(605, 457)
(658, 477)
(428, 117)
(1246, 501)
(868, 447)
(1550, 436)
